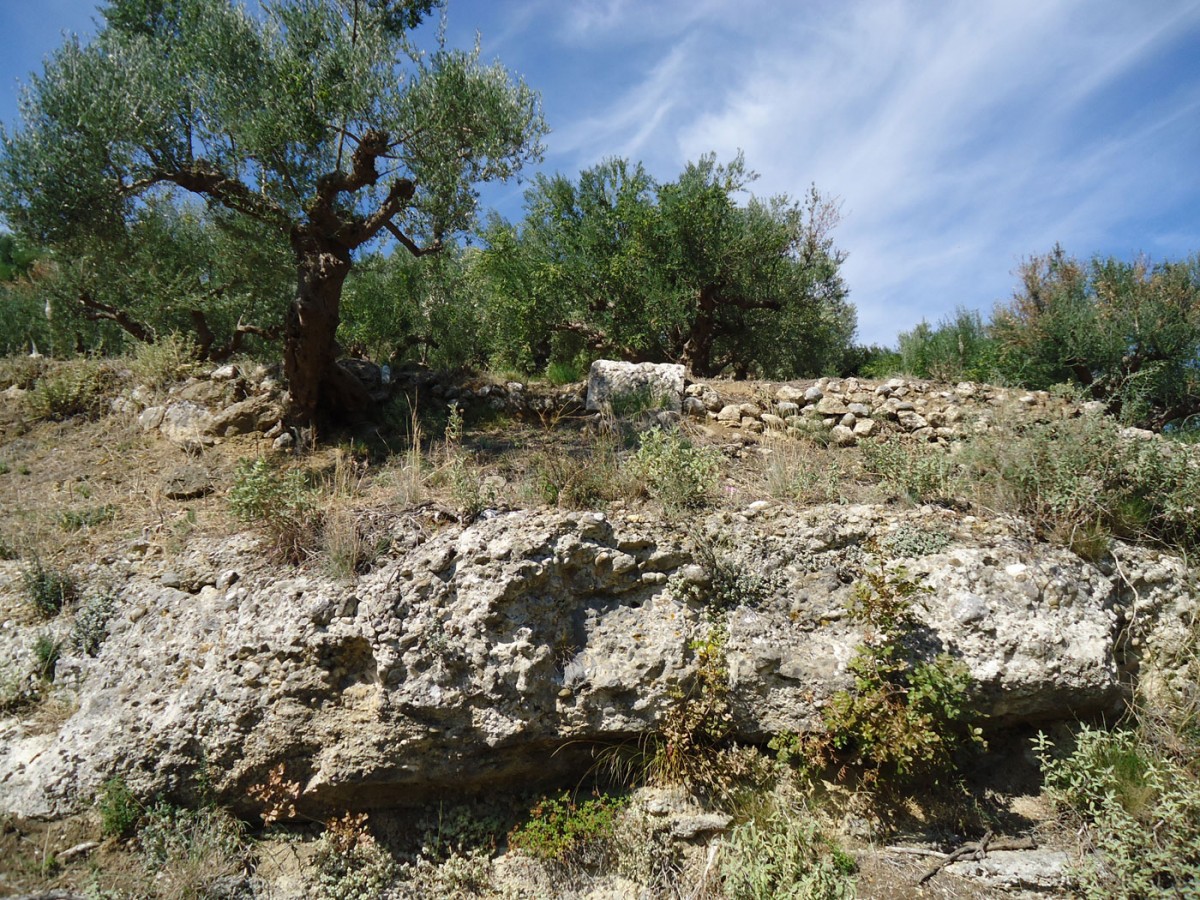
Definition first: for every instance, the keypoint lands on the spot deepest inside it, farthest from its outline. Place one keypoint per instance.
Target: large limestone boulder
(510, 650)
(656, 385)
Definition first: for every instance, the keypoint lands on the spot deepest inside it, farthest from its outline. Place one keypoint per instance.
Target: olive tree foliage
(321, 120)
(574, 277)
(1128, 333)
(170, 268)
(428, 310)
(15, 259)
(618, 265)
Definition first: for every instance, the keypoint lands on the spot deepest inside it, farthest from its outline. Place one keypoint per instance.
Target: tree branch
(408, 242)
(204, 178)
(96, 310)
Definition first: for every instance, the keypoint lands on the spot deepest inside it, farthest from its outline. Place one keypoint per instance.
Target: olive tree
(321, 119)
(679, 271)
(1126, 332)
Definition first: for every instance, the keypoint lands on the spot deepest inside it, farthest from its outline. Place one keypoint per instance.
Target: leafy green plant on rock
(573, 833)
(694, 746)
(49, 590)
(281, 503)
(676, 473)
(119, 810)
(350, 863)
(905, 717)
(782, 856)
(1137, 808)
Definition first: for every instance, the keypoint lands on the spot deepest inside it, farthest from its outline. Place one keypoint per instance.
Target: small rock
(187, 483)
(843, 436)
(225, 373)
(284, 441)
(832, 406)
(151, 418)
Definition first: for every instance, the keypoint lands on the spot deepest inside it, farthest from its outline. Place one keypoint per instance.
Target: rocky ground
(434, 639)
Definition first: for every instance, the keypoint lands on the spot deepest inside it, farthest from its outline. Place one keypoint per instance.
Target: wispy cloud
(960, 138)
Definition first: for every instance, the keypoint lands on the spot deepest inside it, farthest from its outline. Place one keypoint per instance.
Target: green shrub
(119, 810)
(91, 624)
(577, 834)
(281, 503)
(171, 834)
(192, 852)
(905, 717)
(49, 590)
(46, 651)
(957, 348)
(734, 573)
(1079, 481)
(1125, 332)
(1137, 809)
(693, 745)
(920, 472)
(781, 856)
(911, 542)
(677, 474)
(76, 519)
(577, 479)
(79, 387)
(169, 359)
(560, 372)
(350, 864)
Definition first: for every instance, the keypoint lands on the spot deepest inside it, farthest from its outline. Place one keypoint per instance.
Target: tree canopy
(320, 120)
(620, 265)
(1125, 332)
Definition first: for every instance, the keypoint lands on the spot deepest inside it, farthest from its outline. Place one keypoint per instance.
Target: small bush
(570, 833)
(693, 746)
(781, 856)
(735, 573)
(75, 388)
(905, 717)
(916, 471)
(561, 372)
(912, 542)
(677, 474)
(350, 864)
(281, 503)
(169, 359)
(582, 479)
(1080, 481)
(192, 852)
(49, 590)
(91, 624)
(46, 651)
(76, 519)
(1137, 808)
(119, 810)
(804, 473)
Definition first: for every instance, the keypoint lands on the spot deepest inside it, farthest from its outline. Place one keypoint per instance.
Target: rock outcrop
(514, 647)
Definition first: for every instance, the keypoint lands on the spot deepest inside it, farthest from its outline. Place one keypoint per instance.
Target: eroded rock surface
(514, 647)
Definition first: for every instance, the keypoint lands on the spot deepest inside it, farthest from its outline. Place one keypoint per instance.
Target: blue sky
(960, 136)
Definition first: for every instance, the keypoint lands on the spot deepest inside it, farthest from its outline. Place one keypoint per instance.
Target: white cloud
(958, 137)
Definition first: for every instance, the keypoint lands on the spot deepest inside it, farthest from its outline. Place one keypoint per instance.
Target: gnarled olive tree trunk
(321, 390)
